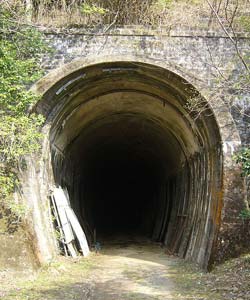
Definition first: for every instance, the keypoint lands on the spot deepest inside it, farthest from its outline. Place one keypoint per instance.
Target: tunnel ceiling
(138, 111)
(104, 93)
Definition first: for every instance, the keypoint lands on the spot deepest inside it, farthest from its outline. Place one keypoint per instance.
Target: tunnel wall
(198, 237)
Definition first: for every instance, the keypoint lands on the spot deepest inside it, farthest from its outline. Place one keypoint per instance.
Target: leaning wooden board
(78, 231)
(70, 222)
(62, 204)
(55, 213)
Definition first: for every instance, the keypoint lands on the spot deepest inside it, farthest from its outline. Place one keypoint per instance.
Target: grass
(64, 278)
(230, 280)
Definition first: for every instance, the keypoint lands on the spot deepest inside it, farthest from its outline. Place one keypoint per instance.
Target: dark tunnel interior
(122, 170)
(120, 189)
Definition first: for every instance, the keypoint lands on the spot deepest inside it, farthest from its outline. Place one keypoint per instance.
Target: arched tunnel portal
(134, 160)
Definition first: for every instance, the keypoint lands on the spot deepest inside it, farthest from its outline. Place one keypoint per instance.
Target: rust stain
(217, 205)
(220, 195)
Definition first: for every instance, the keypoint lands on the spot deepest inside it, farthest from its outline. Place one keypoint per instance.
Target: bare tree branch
(233, 38)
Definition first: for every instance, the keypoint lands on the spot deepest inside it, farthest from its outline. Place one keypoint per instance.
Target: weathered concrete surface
(123, 77)
(17, 245)
(197, 55)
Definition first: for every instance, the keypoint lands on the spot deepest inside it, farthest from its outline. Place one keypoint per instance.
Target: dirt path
(119, 272)
(131, 272)
(127, 272)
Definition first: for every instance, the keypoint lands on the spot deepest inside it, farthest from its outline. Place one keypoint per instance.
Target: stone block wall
(197, 55)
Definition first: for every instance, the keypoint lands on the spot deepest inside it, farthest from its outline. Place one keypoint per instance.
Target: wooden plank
(55, 212)
(78, 230)
(62, 204)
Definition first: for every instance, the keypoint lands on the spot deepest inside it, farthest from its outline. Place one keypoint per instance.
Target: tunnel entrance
(133, 159)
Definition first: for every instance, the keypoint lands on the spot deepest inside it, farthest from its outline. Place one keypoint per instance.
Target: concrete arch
(221, 112)
(123, 119)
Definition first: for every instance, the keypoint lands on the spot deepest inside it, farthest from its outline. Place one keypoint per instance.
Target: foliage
(92, 9)
(163, 4)
(20, 50)
(245, 214)
(244, 21)
(243, 157)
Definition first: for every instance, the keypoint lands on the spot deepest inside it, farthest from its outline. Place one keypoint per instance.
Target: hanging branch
(233, 39)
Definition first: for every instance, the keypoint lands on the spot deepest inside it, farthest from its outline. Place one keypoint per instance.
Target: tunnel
(135, 161)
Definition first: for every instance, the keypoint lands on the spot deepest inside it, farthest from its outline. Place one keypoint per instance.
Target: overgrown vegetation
(20, 50)
(171, 13)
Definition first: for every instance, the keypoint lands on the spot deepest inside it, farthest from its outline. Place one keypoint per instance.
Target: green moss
(244, 22)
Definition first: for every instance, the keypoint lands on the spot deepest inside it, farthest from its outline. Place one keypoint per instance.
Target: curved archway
(132, 158)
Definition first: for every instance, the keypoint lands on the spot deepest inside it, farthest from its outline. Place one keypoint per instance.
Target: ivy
(21, 47)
